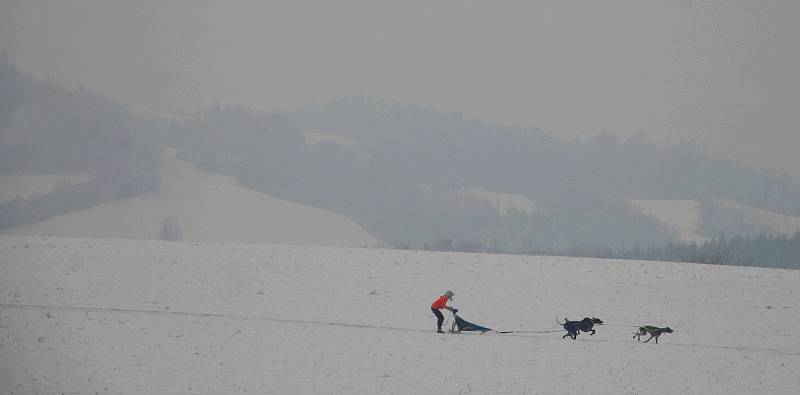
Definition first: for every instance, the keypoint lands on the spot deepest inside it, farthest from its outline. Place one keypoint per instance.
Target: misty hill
(378, 162)
(390, 195)
(682, 215)
(192, 205)
(50, 135)
(446, 149)
(411, 176)
(77, 164)
(692, 219)
(24, 186)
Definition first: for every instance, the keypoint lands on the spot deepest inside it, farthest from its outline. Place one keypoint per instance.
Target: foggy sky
(723, 73)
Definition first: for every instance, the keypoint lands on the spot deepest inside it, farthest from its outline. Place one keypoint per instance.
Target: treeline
(63, 199)
(764, 250)
(448, 149)
(375, 178)
(45, 128)
(368, 160)
(269, 153)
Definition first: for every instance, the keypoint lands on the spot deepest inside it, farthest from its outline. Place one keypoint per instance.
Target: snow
(131, 316)
(763, 220)
(313, 138)
(207, 207)
(682, 215)
(23, 186)
(502, 202)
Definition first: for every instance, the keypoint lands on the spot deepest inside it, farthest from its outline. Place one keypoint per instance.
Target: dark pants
(439, 318)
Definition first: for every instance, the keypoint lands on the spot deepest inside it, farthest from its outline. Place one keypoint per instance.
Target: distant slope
(206, 207)
(698, 222)
(504, 203)
(725, 216)
(682, 215)
(23, 186)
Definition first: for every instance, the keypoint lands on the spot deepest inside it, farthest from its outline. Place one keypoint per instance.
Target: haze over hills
(211, 197)
(411, 176)
(696, 221)
(24, 186)
(192, 205)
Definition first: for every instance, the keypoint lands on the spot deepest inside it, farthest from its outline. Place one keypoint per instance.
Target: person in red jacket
(441, 303)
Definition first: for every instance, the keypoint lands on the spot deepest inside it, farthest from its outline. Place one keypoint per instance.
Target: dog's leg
(592, 333)
(569, 334)
(656, 336)
(651, 336)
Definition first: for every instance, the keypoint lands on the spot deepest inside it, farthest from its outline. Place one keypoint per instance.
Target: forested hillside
(45, 129)
(377, 162)
(374, 157)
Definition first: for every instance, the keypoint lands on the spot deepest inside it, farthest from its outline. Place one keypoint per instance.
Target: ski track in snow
(126, 316)
(109, 310)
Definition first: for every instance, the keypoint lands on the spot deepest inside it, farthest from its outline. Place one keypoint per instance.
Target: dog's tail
(560, 323)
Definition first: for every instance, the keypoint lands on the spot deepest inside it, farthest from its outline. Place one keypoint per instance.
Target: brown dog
(653, 331)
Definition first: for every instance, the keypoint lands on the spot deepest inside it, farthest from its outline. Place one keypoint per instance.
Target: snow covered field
(146, 317)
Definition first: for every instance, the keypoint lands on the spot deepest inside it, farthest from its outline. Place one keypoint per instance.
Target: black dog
(575, 327)
(653, 331)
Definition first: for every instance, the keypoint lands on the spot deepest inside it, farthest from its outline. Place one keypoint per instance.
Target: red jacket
(440, 303)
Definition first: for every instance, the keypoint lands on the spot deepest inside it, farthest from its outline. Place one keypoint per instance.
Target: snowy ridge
(733, 218)
(206, 207)
(312, 138)
(682, 215)
(504, 203)
(757, 219)
(23, 186)
(128, 316)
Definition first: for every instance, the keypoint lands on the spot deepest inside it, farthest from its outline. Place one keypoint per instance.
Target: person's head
(449, 294)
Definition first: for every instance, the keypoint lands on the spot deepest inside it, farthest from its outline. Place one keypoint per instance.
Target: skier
(441, 303)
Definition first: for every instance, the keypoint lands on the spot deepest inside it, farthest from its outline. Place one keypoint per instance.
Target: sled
(462, 325)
